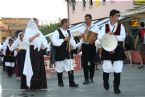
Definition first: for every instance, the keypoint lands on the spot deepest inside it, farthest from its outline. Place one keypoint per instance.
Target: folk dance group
(31, 45)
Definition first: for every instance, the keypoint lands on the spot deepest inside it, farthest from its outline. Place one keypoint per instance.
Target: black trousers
(9, 70)
(116, 81)
(88, 60)
(3, 62)
(70, 76)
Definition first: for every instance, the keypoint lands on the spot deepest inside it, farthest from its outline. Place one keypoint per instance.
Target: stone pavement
(132, 85)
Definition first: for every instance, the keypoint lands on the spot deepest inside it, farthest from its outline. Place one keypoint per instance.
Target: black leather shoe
(61, 84)
(74, 85)
(117, 91)
(86, 82)
(140, 67)
(91, 81)
(106, 86)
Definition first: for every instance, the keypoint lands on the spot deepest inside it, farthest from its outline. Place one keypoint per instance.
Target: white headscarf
(32, 30)
(16, 42)
(0, 46)
(18, 38)
(6, 43)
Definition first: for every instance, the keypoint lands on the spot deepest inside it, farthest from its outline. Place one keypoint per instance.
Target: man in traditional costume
(89, 32)
(113, 61)
(62, 40)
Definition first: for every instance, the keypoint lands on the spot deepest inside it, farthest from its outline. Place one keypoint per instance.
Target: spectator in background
(128, 46)
(141, 37)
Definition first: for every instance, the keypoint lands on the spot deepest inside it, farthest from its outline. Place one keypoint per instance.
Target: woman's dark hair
(11, 39)
(17, 33)
(4, 38)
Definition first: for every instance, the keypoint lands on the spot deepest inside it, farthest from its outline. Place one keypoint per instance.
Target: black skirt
(38, 80)
(20, 59)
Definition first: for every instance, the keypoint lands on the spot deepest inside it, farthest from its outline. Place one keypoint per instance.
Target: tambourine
(109, 42)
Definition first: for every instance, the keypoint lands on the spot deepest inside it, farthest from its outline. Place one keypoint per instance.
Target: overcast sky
(50, 10)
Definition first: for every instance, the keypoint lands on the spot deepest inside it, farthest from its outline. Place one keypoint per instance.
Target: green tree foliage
(46, 29)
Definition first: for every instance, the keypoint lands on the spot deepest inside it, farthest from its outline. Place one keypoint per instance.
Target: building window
(84, 3)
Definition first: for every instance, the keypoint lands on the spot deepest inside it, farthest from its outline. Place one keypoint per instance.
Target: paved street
(132, 85)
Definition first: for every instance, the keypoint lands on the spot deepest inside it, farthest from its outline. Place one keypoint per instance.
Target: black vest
(119, 51)
(61, 52)
(9, 55)
(117, 32)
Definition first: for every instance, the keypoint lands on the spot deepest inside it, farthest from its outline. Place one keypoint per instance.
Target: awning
(99, 23)
(74, 29)
(135, 13)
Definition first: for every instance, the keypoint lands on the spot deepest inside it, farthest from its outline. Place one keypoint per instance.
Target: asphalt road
(132, 85)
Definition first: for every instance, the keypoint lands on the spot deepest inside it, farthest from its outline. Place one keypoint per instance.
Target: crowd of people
(25, 54)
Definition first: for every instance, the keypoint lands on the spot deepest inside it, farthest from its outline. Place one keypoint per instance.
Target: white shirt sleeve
(15, 53)
(55, 39)
(73, 43)
(14, 45)
(95, 29)
(4, 51)
(82, 29)
(101, 33)
(122, 35)
(0, 46)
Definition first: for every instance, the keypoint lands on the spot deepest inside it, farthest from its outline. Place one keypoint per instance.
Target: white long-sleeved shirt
(113, 28)
(93, 28)
(19, 44)
(58, 42)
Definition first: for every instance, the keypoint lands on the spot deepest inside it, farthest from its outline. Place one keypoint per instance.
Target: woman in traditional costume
(34, 75)
(9, 56)
(20, 46)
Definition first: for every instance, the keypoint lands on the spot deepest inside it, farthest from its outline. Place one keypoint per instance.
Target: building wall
(97, 12)
(13, 25)
(3, 34)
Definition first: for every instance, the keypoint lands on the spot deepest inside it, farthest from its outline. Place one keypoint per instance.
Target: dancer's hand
(66, 38)
(112, 52)
(37, 35)
(111, 33)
